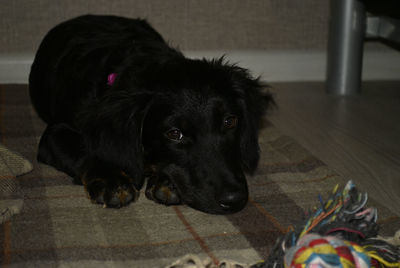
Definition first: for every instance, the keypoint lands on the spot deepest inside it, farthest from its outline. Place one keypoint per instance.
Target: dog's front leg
(107, 184)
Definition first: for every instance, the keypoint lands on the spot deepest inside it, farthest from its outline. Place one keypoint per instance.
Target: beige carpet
(11, 197)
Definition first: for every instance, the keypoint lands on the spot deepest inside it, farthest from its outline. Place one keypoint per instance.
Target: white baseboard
(288, 66)
(15, 68)
(272, 66)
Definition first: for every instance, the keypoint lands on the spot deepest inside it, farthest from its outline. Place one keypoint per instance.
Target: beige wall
(189, 24)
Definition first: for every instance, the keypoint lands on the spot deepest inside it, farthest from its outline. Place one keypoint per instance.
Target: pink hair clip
(111, 79)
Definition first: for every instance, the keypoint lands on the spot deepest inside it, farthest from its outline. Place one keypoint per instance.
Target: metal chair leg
(345, 47)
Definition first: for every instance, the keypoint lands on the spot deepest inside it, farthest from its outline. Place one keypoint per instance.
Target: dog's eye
(174, 134)
(230, 121)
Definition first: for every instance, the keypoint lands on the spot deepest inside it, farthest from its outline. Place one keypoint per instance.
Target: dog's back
(75, 57)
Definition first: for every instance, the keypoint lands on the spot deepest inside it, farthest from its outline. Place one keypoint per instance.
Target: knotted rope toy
(313, 250)
(341, 232)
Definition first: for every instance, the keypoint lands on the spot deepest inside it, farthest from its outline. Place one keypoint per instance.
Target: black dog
(121, 105)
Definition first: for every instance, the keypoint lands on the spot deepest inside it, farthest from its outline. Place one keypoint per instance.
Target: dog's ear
(112, 127)
(254, 100)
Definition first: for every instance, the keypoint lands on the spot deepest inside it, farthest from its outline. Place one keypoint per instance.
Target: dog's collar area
(111, 79)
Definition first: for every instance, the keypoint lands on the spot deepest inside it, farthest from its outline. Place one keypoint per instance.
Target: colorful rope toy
(314, 250)
(340, 232)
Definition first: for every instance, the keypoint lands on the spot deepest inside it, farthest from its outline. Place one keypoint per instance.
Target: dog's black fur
(190, 126)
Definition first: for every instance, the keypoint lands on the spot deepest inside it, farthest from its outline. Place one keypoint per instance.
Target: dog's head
(195, 124)
(200, 135)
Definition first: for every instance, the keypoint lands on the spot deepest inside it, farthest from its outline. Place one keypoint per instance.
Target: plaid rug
(59, 226)
(11, 196)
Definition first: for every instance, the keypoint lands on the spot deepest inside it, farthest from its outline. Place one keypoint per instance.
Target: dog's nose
(234, 200)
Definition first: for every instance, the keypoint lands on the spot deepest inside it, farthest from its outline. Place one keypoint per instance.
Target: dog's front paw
(162, 191)
(114, 191)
